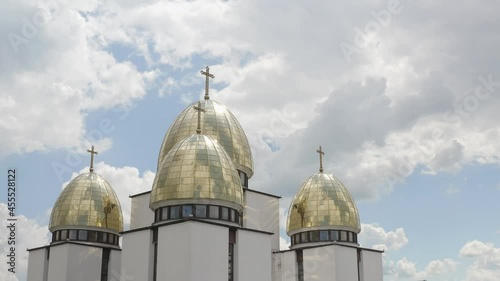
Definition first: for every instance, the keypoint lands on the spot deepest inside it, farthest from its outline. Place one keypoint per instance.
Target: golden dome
(87, 202)
(322, 203)
(197, 170)
(219, 124)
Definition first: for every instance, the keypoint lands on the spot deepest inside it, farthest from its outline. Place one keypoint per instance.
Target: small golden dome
(87, 202)
(199, 171)
(219, 124)
(322, 203)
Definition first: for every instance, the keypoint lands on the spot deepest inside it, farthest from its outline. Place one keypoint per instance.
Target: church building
(201, 220)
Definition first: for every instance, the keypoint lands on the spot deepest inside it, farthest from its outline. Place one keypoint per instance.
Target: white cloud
(440, 267)
(29, 234)
(486, 261)
(59, 73)
(284, 244)
(372, 235)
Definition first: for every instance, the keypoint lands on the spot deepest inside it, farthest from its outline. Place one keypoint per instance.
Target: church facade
(202, 221)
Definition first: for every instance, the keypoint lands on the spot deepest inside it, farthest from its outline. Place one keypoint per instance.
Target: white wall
(193, 251)
(137, 256)
(114, 266)
(321, 263)
(37, 265)
(371, 266)
(253, 256)
(346, 263)
(58, 263)
(140, 214)
(84, 263)
(75, 262)
(262, 213)
(331, 262)
(285, 266)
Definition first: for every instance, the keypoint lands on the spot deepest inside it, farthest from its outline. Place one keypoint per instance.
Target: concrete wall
(140, 214)
(37, 265)
(137, 256)
(74, 262)
(321, 263)
(84, 263)
(262, 213)
(115, 262)
(285, 266)
(253, 256)
(371, 266)
(346, 264)
(193, 251)
(58, 263)
(329, 262)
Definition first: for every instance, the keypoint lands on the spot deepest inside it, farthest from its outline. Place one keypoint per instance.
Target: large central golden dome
(198, 171)
(219, 124)
(322, 202)
(87, 202)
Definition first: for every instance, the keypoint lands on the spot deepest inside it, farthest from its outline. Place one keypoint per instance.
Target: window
(232, 215)
(111, 239)
(224, 213)
(214, 212)
(104, 264)
(231, 262)
(82, 235)
(157, 215)
(92, 236)
(300, 265)
(323, 235)
(72, 234)
(232, 241)
(313, 236)
(155, 252)
(343, 235)
(200, 211)
(187, 211)
(103, 237)
(174, 212)
(303, 237)
(164, 213)
(64, 234)
(243, 179)
(334, 235)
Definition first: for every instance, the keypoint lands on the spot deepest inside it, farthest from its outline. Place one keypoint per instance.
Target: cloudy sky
(402, 95)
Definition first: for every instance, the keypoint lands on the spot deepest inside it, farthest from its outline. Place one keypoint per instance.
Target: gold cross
(92, 152)
(200, 110)
(207, 75)
(321, 153)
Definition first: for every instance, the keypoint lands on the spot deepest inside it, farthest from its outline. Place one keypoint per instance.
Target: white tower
(85, 224)
(323, 224)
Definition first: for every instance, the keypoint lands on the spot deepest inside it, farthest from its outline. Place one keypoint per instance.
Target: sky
(402, 95)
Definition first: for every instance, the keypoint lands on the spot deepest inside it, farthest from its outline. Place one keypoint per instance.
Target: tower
(85, 223)
(323, 224)
(200, 221)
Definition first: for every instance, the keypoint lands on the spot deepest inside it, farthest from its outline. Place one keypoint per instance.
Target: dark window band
(197, 211)
(324, 236)
(85, 235)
